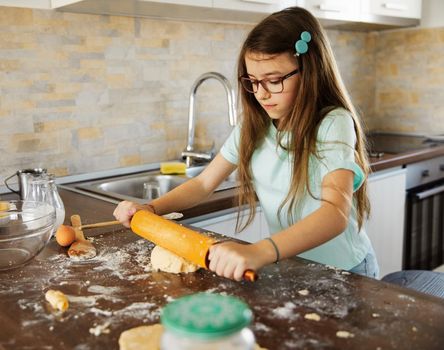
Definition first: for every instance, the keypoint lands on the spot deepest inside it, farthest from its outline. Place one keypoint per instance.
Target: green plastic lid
(206, 316)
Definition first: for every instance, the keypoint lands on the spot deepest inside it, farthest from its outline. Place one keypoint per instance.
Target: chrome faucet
(189, 153)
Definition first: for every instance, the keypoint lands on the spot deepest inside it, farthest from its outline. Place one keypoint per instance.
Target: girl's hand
(125, 211)
(231, 259)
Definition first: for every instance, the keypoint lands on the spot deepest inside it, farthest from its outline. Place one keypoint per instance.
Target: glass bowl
(25, 229)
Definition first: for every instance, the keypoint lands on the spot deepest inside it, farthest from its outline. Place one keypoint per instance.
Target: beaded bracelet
(278, 256)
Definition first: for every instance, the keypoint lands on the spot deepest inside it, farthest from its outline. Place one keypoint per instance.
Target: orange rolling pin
(190, 245)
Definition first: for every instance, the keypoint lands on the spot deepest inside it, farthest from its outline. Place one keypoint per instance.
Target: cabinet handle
(441, 167)
(327, 8)
(429, 193)
(425, 173)
(394, 6)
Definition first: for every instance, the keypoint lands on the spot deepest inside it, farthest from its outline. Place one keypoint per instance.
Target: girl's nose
(262, 93)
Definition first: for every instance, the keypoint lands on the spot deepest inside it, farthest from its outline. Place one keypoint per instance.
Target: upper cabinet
(336, 14)
(345, 10)
(392, 8)
(365, 15)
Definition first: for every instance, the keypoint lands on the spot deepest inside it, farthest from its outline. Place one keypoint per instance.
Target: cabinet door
(226, 225)
(385, 228)
(392, 8)
(200, 3)
(265, 6)
(37, 4)
(348, 10)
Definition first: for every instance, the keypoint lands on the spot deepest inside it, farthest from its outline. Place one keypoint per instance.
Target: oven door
(424, 229)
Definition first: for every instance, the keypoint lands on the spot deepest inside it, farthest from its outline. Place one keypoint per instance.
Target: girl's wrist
(267, 251)
(151, 208)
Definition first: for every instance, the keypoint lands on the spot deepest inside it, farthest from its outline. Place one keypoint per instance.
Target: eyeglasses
(271, 85)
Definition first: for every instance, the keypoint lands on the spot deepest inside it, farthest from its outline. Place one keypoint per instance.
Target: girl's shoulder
(338, 121)
(339, 115)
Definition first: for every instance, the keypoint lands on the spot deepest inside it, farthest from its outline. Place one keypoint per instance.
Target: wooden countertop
(117, 291)
(392, 160)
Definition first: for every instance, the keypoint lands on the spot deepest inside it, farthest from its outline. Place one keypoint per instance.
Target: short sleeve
(336, 145)
(230, 149)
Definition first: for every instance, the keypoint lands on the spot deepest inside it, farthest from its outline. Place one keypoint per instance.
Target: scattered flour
(286, 311)
(303, 292)
(99, 329)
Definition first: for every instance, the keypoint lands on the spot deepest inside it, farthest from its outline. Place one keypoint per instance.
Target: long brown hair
(320, 91)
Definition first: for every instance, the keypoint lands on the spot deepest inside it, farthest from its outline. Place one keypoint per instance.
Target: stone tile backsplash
(83, 93)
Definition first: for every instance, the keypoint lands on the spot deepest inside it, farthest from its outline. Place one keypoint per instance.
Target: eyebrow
(267, 74)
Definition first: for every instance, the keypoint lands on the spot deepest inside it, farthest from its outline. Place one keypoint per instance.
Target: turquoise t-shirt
(271, 171)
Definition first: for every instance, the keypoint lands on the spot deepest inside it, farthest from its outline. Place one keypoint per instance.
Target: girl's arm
(325, 223)
(195, 190)
(232, 259)
(184, 196)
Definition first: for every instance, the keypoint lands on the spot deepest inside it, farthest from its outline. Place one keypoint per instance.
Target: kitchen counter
(392, 160)
(117, 290)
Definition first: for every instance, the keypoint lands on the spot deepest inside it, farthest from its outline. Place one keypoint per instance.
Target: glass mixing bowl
(25, 229)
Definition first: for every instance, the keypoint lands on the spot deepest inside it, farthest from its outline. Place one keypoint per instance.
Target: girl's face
(262, 66)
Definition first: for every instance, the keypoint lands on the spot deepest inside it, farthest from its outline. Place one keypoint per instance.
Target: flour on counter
(99, 329)
(286, 311)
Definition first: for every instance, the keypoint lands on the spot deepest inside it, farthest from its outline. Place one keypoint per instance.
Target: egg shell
(65, 235)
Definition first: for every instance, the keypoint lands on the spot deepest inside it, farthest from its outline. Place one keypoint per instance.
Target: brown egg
(65, 235)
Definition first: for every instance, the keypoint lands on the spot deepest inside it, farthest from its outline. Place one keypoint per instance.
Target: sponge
(173, 168)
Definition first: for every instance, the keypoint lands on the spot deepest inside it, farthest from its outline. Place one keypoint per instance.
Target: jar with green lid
(207, 321)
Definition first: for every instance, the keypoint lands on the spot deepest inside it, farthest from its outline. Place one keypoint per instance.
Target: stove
(381, 143)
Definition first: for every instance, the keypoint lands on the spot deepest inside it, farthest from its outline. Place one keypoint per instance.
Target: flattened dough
(141, 338)
(164, 260)
(146, 338)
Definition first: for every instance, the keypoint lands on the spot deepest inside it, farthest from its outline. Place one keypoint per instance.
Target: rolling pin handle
(250, 275)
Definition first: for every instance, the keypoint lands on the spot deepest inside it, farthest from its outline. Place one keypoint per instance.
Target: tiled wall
(82, 93)
(409, 88)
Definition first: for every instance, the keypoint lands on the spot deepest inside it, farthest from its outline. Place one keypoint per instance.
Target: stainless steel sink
(131, 187)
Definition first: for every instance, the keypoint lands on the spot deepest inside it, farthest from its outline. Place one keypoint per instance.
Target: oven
(424, 219)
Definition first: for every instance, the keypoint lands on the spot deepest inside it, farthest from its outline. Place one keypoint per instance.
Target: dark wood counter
(117, 291)
(392, 160)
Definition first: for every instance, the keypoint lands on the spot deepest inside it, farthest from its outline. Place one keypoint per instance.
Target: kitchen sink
(143, 187)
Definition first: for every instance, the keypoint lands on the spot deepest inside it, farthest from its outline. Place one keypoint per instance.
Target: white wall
(432, 13)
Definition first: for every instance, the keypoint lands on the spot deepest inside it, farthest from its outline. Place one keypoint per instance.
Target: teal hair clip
(301, 45)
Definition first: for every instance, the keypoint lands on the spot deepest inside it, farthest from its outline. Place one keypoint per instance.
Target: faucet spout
(232, 115)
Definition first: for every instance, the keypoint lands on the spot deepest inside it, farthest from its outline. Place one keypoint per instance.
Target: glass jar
(207, 321)
(43, 189)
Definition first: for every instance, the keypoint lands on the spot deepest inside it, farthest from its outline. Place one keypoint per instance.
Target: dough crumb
(345, 273)
(344, 334)
(313, 317)
(303, 292)
(57, 300)
(375, 315)
(414, 329)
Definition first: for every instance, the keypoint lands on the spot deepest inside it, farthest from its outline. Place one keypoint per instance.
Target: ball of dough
(65, 235)
(164, 260)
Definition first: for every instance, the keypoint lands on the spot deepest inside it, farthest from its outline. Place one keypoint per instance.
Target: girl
(299, 148)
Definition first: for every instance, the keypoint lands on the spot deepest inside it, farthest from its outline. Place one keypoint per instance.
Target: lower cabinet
(225, 223)
(385, 227)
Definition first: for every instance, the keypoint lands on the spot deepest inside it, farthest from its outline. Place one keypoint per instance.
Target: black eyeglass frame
(255, 83)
